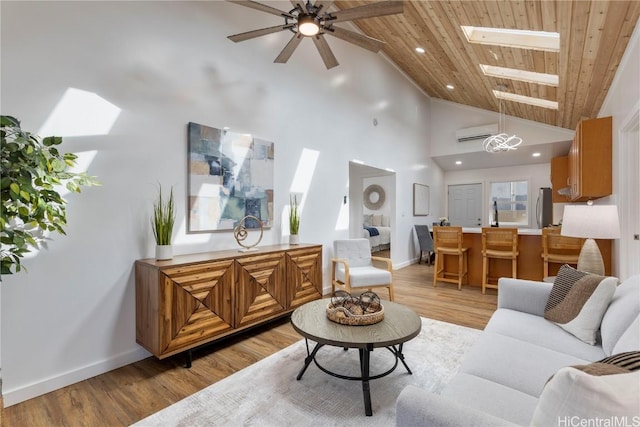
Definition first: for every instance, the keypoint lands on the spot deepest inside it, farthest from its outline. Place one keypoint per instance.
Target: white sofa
(503, 375)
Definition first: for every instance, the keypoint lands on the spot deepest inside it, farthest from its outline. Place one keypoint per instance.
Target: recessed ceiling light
(521, 75)
(536, 154)
(450, 87)
(458, 162)
(523, 39)
(538, 102)
(420, 50)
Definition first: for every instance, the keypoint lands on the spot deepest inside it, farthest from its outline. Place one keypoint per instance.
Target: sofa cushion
(624, 308)
(537, 330)
(366, 220)
(418, 407)
(573, 393)
(493, 398)
(630, 339)
(515, 363)
(376, 220)
(578, 301)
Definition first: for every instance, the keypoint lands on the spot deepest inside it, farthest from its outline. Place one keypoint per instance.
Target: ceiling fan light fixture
(308, 26)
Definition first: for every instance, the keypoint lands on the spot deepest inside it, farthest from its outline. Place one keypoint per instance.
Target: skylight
(538, 102)
(523, 39)
(521, 75)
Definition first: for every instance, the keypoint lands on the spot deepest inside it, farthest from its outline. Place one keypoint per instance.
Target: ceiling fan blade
(289, 48)
(323, 5)
(257, 33)
(261, 7)
(374, 45)
(368, 11)
(299, 3)
(329, 59)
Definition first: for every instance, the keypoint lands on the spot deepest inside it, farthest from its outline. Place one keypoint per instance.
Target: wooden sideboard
(194, 299)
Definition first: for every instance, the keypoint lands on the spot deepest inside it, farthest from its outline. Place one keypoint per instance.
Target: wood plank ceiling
(593, 37)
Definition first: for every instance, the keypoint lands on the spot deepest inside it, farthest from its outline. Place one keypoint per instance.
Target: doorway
(465, 205)
(379, 186)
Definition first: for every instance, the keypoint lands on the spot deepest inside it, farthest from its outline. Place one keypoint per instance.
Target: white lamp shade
(591, 221)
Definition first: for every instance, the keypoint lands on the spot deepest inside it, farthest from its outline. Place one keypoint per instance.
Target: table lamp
(591, 222)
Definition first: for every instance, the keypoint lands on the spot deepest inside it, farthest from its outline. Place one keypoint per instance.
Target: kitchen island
(530, 265)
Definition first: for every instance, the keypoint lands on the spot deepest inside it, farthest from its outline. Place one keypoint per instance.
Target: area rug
(267, 393)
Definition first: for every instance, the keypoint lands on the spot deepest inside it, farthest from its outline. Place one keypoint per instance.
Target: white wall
(623, 104)
(164, 64)
(537, 175)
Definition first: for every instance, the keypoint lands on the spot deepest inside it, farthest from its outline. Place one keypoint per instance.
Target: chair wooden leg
(514, 268)
(484, 274)
(460, 272)
(435, 270)
(391, 292)
(546, 269)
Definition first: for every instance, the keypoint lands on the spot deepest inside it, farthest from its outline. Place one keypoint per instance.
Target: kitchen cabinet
(590, 160)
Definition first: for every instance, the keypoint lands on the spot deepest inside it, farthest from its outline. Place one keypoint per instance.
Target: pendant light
(502, 141)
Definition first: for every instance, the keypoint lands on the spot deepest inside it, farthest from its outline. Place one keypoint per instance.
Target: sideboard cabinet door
(304, 276)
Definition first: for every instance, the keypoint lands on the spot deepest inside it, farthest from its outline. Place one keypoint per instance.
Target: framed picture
(230, 175)
(420, 199)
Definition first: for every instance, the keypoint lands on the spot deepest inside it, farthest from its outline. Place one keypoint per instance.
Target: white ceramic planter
(164, 252)
(294, 239)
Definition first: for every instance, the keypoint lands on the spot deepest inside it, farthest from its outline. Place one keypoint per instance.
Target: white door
(465, 205)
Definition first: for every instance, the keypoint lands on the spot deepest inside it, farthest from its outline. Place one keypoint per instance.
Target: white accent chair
(353, 267)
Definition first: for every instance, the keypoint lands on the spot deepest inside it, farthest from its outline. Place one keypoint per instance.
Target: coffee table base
(365, 377)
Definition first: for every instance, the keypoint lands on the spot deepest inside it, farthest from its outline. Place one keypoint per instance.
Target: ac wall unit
(477, 132)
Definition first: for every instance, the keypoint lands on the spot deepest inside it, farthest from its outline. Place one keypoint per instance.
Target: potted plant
(162, 222)
(294, 220)
(33, 172)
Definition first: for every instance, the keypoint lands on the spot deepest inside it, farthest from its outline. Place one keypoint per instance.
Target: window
(512, 200)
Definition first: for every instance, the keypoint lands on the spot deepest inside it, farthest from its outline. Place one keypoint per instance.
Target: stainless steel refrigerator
(544, 208)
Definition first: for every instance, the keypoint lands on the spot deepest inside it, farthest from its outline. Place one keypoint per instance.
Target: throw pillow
(376, 220)
(629, 360)
(578, 301)
(367, 220)
(572, 396)
(386, 221)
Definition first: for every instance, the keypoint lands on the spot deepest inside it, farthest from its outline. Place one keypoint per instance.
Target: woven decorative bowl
(355, 311)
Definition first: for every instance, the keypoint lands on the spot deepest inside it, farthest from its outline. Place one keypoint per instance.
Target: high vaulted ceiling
(593, 37)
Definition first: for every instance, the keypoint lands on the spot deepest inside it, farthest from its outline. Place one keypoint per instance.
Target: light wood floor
(130, 393)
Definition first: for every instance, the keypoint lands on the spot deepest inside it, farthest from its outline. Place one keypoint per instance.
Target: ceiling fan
(313, 20)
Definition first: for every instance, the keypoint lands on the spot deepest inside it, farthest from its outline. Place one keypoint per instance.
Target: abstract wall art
(230, 177)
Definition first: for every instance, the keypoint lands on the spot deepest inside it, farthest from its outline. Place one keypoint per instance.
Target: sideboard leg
(188, 359)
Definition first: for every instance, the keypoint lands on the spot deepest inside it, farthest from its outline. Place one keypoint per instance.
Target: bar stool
(557, 249)
(498, 243)
(448, 241)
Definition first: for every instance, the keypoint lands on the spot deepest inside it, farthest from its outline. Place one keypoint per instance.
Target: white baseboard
(26, 392)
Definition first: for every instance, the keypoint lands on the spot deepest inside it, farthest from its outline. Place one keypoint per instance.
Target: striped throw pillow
(578, 301)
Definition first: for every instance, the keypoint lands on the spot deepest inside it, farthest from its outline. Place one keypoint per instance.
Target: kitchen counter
(530, 265)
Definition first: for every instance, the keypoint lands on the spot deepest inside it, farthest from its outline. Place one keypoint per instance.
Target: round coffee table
(400, 324)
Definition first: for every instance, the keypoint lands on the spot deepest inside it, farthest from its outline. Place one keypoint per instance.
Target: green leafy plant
(163, 218)
(294, 215)
(33, 171)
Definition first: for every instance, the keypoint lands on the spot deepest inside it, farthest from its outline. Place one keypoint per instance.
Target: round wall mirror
(374, 197)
